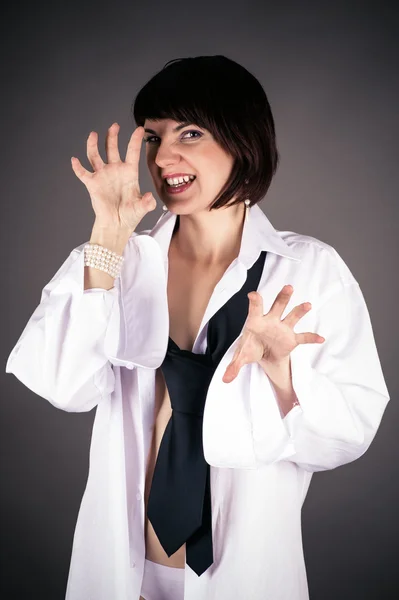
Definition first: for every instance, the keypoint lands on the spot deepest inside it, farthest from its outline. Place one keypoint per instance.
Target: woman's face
(173, 149)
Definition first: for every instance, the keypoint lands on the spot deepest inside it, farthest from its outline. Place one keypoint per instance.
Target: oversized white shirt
(100, 348)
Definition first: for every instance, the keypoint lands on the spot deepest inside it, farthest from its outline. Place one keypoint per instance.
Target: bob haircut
(221, 96)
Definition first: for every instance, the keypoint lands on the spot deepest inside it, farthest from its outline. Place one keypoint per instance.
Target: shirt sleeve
(75, 337)
(339, 384)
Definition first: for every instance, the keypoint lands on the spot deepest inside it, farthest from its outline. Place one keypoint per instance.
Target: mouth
(178, 188)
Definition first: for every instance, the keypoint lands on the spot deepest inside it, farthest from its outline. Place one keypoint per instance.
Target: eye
(192, 131)
(149, 139)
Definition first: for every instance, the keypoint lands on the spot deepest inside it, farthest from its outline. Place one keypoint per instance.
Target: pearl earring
(247, 203)
(164, 207)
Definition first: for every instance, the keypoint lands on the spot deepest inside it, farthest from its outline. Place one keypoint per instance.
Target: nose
(166, 155)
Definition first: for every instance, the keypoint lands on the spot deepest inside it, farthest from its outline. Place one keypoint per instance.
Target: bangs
(187, 91)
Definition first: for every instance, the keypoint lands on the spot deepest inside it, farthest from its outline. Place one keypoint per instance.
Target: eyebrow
(175, 128)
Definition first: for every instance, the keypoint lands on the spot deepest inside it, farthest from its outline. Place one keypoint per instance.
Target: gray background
(331, 73)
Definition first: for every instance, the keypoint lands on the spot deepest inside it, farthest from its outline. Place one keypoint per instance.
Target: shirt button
(138, 496)
(133, 564)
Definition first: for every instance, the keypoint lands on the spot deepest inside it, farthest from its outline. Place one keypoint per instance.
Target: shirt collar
(258, 234)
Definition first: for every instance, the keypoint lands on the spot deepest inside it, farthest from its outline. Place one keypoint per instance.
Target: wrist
(112, 238)
(279, 369)
(280, 377)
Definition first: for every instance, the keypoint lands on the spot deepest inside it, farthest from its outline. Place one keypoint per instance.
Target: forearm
(280, 378)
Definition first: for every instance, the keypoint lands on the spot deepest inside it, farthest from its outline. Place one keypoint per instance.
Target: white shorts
(161, 582)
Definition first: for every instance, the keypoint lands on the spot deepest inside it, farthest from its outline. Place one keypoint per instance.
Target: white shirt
(98, 348)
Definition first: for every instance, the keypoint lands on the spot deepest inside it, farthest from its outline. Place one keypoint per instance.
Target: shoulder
(318, 257)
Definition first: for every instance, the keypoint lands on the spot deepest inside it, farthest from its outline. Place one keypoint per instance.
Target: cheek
(218, 161)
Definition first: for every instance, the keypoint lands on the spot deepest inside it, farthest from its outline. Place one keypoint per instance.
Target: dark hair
(221, 96)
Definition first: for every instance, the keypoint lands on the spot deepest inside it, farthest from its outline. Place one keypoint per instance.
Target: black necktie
(179, 504)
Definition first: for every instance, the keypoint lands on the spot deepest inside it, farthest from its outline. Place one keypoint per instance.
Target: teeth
(177, 180)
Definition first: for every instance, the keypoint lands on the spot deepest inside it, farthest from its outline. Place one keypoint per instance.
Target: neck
(209, 237)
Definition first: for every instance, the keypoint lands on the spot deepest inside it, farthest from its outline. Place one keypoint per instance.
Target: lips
(179, 189)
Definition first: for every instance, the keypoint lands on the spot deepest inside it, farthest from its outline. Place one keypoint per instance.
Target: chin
(179, 207)
(179, 210)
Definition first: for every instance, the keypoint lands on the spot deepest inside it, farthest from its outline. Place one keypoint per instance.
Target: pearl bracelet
(103, 259)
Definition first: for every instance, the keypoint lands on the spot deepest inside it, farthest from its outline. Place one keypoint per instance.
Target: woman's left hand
(266, 338)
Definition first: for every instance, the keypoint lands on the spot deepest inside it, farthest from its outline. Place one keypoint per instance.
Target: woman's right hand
(114, 186)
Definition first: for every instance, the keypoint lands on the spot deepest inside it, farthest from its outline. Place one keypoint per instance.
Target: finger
(281, 301)
(296, 314)
(134, 150)
(234, 366)
(231, 372)
(255, 304)
(111, 144)
(309, 338)
(92, 152)
(80, 172)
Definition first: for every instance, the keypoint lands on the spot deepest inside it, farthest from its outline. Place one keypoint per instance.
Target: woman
(227, 361)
